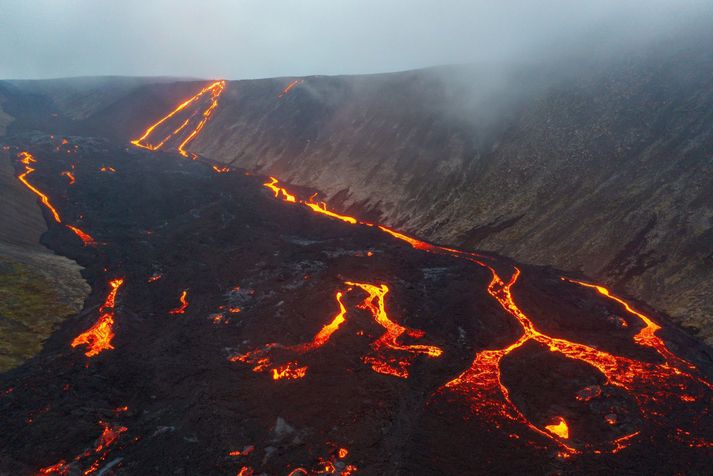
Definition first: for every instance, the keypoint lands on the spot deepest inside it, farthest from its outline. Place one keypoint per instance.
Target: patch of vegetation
(30, 308)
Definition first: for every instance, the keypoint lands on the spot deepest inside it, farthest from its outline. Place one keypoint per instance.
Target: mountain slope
(605, 168)
(602, 167)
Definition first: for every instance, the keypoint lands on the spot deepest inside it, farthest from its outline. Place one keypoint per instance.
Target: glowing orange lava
(375, 304)
(290, 371)
(244, 452)
(652, 385)
(286, 196)
(560, 428)
(183, 299)
(215, 89)
(647, 336)
(26, 158)
(321, 207)
(61, 468)
(98, 337)
(261, 359)
(109, 436)
(221, 170)
(481, 383)
(294, 83)
(70, 176)
(85, 237)
(326, 332)
(107, 169)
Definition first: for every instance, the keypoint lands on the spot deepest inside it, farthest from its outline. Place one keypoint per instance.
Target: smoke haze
(259, 38)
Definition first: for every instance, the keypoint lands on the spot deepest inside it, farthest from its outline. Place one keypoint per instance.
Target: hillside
(601, 167)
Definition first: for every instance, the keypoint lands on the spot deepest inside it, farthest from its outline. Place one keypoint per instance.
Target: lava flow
(261, 359)
(183, 299)
(98, 337)
(647, 336)
(320, 207)
(26, 159)
(279, 191)
(85, 237)
(652, 385)
(70, 176)
(215, 89)
(560, 428)
(293, 84)
(221, 170)
(375, 304)
(109, 436)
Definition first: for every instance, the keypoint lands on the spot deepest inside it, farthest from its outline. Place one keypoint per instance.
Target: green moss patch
(30, 308)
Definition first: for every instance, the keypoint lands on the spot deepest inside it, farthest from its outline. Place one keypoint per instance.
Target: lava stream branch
(98, 337)
(647, 335)
(183, 303)
(293, 84)
(85, 237)
(27, 159)
(262, 360)
(652, 385)
(214, 89)
(69, 176)
(375, 304)
(482, 385)
(97, 455)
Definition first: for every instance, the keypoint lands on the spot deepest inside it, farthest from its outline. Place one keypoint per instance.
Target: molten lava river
(241, 326)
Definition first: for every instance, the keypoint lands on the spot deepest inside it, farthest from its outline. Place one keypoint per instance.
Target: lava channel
(214, 89)
(27, 159)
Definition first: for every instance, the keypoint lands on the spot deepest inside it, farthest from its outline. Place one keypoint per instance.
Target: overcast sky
(237, 39)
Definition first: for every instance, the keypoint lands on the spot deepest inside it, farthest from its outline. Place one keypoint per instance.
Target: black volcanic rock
(170, 399)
